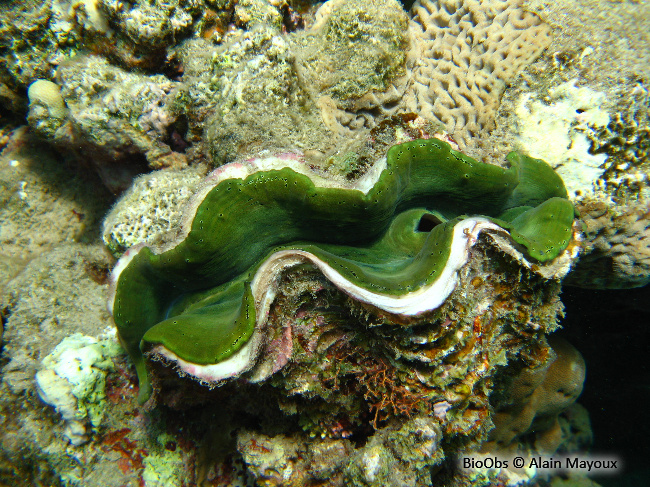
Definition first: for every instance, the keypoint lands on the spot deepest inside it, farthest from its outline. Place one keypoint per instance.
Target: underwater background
(341, 243)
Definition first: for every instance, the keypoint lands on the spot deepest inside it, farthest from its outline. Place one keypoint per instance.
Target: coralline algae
(72, 380)
(574, 112)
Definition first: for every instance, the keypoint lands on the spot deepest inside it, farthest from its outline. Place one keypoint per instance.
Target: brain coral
(202, 300)
(469, 51)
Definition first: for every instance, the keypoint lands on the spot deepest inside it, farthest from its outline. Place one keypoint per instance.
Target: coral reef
(469, 52)
(150, 208)
(55, 295)
(618, 32)
(584, 59)
(265, 87)
(73, 381)
(535, 398)
(398, 456)
(616, 251)
(600, 111)
(36, 36)
(322, 379)
(450, 64)
(134, 36)
(283, 460)
(624, 140)
(147, 29)
(47, 110)
(349, 375)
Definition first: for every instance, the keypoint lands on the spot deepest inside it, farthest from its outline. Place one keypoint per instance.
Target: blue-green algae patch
(195, 298)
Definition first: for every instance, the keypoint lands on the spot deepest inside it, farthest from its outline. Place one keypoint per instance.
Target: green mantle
(195, 298)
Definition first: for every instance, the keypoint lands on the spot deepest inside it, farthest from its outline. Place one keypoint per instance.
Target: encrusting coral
(150, 208)
(202, 301)
(616, 252)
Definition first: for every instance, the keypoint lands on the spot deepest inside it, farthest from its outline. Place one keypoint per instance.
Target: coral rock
(149, 209)
(115, 120)
(535, 399)
(616, 251)
(368, 43)
(398, 456)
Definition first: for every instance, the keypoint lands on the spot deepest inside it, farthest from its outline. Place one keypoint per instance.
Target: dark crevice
(428, 222)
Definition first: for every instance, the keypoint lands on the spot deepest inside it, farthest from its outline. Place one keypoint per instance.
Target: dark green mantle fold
(195, 299)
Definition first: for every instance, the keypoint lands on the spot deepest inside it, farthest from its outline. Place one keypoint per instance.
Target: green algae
(195, 298)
